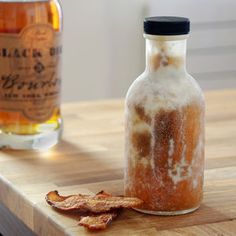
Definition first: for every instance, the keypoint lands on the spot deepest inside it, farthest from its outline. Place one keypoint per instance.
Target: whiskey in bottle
(30, 73)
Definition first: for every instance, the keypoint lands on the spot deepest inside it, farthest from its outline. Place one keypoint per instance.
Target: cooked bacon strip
(54, 196)
(101, 202)
(98, 222)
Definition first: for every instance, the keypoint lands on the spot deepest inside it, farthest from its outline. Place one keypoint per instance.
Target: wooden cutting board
(90, 159)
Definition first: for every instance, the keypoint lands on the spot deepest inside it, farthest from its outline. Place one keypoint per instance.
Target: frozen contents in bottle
(164, 125)
(165, 168)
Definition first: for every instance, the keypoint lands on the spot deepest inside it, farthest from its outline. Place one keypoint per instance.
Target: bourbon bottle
(165, 125)
(30, 73)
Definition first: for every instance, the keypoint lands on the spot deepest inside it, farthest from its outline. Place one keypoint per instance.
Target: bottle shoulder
(164, 92)
(25, 13)
(196, 87)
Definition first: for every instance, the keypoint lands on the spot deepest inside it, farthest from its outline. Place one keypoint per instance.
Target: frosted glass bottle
(164, 125)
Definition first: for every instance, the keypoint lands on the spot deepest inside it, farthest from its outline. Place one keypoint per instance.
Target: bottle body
(30, 74)
(164, 126)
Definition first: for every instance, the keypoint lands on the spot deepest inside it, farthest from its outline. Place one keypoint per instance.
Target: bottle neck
(166, 54)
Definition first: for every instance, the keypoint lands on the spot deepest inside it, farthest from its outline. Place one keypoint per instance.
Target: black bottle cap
(166, 25)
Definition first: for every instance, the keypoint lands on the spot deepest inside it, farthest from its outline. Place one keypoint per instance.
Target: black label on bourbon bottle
(30, 72)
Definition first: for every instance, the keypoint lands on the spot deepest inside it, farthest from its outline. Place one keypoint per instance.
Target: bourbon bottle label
(30, 76)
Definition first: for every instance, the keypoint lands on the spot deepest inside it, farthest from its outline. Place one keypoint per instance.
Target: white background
(104, 47)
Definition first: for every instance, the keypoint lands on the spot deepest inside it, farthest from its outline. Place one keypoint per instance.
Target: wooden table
(90, 158)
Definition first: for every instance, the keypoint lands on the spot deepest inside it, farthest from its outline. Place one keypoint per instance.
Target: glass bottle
(164, 125)
(30, 73)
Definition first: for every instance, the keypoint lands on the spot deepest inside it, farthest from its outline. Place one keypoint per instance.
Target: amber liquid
(15, 16)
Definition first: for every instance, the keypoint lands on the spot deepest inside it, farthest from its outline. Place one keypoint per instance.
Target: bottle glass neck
(165, 54)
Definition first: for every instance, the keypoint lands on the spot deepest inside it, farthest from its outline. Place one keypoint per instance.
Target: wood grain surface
(90, 158)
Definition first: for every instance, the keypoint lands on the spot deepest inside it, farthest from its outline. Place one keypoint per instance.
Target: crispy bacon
(54, 196)
(98, 222)
(100, 203)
